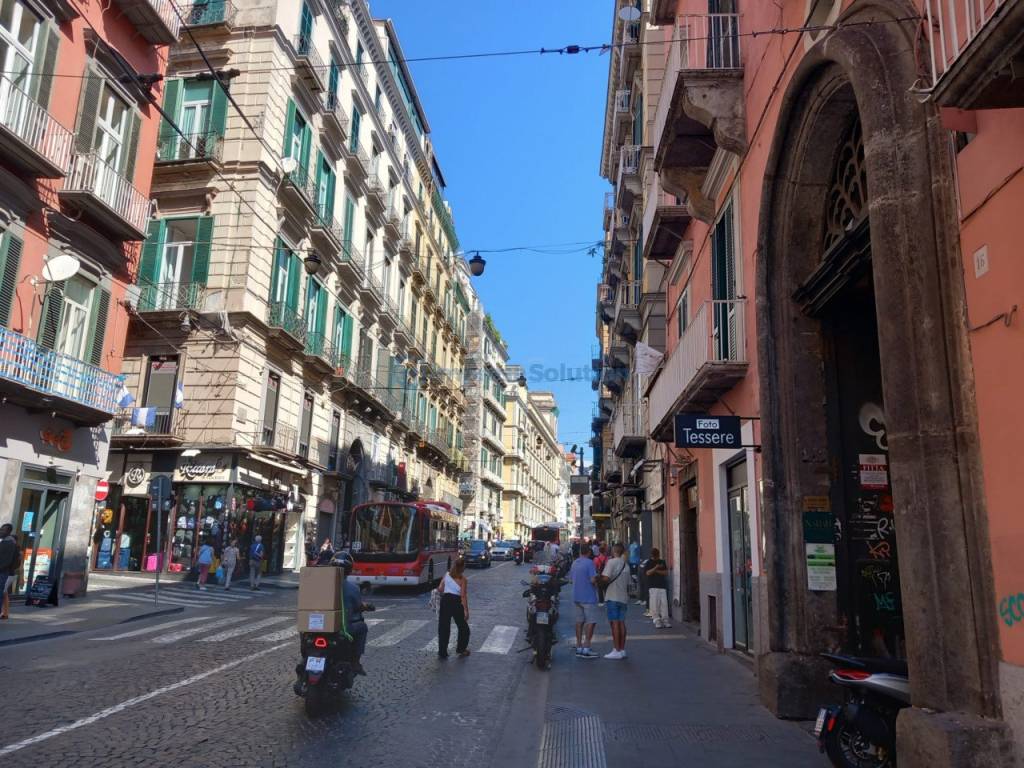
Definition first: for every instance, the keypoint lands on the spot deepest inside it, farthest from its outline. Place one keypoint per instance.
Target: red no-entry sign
(102, 489)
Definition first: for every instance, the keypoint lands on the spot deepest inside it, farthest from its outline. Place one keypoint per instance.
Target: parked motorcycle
(517, 555)
(861, 733)
(542, 612)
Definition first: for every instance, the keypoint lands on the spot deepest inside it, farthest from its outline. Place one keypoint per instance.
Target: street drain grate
(565, 712)
(688, 734)
(573, 743)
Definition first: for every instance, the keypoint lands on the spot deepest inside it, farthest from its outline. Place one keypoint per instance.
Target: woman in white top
(454, 605)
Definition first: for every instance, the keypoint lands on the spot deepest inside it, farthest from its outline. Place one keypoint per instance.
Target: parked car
(478, 554)
(502, 550)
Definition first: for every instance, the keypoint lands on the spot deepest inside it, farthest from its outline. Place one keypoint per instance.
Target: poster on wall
(874, 471)
(821, 567)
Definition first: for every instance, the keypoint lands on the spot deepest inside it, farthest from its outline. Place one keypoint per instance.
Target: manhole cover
(564, 712)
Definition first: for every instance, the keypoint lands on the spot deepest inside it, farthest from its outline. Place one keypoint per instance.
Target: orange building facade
(77, 138)
(815, 203)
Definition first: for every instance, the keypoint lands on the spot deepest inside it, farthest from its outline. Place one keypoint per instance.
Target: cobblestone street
(212, 686)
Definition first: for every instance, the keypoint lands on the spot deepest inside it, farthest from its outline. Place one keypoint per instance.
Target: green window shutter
(172, 106)
(218, 110)
(353, 139)
(132, 147)
(307, 141)
(346, 336)
(294, 272)
(350, 213)
(88, 109)
(319, 171)
(321, 312)
(332, 181)
(289, 128)
(201, 257)
(149, 263)
(98, 326)
(279, 254)
(49, 321)
(338, 326)
(46, 59)
(10, 258)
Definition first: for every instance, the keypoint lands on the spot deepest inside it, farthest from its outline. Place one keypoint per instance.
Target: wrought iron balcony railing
(205, 14)
(35, 130)
(196, 146)
(278, 437)
(107, 193)
(288, 320)
(160, 297)
(25, 364)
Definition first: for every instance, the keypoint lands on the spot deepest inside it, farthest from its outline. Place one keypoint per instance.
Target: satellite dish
(289, 164)
(61, 267)
(629, 13)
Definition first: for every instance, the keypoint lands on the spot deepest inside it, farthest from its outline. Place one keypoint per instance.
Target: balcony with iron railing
(106, 197)
(300, 188)
(491, 477)
(376, 194)
(627, 183)
(327, 231)
(335, 118)
(213, 13)
(609, 208)
(627, 307)
(976, 48)
(351, 264)
(167, 428)
(629, 428)
(372, 289)
(320, 352)
(709, 360)
(156, 20)
(357, 161)
(36, 377)
(278, 437)
(406, 241)
(666, 218)
(30, 137)
(700, 110)
(286, 324)
(190, 148)
(170, 297)
(393, 221)
(631, 49)
(308, 64)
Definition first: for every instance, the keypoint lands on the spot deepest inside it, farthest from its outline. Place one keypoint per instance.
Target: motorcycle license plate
(542, 617)
(819, 724)
(315, 663)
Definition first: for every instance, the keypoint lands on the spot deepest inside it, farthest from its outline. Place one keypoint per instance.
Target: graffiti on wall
(1011, 609)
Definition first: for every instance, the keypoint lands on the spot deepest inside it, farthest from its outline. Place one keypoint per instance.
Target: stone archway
(864, 73)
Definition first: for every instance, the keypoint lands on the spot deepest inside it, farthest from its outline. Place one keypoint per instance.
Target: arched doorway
(865, 386)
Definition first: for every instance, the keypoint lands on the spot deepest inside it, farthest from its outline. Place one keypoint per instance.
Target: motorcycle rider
(353, 607)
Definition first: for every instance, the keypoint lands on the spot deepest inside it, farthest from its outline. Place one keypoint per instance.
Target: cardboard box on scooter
(320, 588)
(328, 622)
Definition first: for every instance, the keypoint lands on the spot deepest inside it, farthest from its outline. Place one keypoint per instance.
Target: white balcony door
(110, 132)
(194, 115)
(74, 318)
(176, 263)
(19, 36)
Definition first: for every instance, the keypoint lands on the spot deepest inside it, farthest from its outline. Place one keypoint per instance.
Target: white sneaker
(623, 655)
(613, 655)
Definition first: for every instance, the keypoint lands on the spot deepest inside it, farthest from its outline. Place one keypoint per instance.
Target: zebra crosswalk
(419, 634)
(188, 596)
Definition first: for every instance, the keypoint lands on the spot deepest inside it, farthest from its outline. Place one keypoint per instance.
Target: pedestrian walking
(600, 561)
(454, 606)
(228, 561)
(595, 548)
(204, 559)
(553, 551)
(10, 560)
(584, 597)
(657, 588)
(256, 553)
(326, 553)
(616, 595)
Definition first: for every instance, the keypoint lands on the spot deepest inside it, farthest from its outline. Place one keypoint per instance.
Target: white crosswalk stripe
(398, 634)
(274, 637)
(164, 599)
(153, 628)
(245, 629)
(174, 637)
(500, 639)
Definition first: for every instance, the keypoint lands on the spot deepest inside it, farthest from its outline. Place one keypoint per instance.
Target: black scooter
(861, 733)
(328, 668)
(517, 555)
(542, 612)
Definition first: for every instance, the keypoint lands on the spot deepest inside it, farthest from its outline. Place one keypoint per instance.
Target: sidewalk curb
(152, 614)
(33, 638)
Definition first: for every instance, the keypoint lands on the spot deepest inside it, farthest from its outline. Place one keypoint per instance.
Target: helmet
(343, 560)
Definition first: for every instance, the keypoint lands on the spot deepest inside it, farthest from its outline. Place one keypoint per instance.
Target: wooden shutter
(10, 259)
(149, 263)
(132, 147)
(353, 143)
(218, 110)
(88, 109)
(201, 257)
(346, 336)
(338, 327)
(321, 312)
(279, 253)
(289, 127)
(46, 60)
(319, 175)
(98, 326)
(350, 213)
(172, 106)
(49, 321)
(294, 271)
(307, 141)
(332, 181)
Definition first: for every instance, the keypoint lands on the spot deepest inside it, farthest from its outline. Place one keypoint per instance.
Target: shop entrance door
(41, 518)
(741, 558)
(690, 573)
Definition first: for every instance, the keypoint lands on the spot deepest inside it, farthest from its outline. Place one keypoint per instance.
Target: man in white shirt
(553, 551)
(616, 597)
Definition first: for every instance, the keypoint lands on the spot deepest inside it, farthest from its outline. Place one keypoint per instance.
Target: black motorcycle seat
(870, 663)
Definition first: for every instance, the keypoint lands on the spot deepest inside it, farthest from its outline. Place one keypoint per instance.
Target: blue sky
(519, 142)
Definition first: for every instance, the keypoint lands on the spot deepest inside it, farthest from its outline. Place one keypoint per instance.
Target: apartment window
(333, 83)
(343, 334)
(74, 319)
(332, 449)
(19, 37)
(401, 298)
(353, 139)
(306, 426)
(161, 382)
(350, 217)
(271, 399)
(305, 29)
(200, 109)
(377, 98)
(175, 262)
(325, 187)
(284, 280)
(109, 128)
(316, 311)
(683, 311)
(10, 261)
(298, 138)
(723, 285)
(387, 275)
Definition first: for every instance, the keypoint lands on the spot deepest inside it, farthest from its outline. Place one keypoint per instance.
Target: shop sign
(579, 485)
(874, 471)
(466, 485)
(698, 430)
(212, 469)
(821, 567)
(59, 439)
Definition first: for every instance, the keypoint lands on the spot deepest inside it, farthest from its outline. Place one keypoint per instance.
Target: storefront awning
(292, 468)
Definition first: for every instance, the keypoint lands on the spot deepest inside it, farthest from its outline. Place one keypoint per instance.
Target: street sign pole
(159, 492)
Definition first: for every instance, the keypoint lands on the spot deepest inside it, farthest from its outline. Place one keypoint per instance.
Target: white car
(502, 550)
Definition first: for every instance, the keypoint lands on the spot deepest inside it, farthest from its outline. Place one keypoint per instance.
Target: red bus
(400, 543)
(547, 533)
